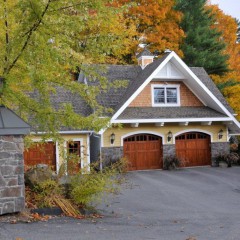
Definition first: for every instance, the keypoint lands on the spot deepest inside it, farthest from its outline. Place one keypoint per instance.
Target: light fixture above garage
(112, 138)
(220, 134)
(169, 136)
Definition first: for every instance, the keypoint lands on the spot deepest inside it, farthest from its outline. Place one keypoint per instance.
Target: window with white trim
(163, 95)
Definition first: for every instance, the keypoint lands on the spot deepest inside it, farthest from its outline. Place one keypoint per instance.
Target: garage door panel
(41, 154)
(203, 144)
(191, 144)
(193, 149)
(146, 154)
(129, 149)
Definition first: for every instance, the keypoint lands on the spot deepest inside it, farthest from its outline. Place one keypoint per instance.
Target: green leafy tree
(42, 42)
(202, 46)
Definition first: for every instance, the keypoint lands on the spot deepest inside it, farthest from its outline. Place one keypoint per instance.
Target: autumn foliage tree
(42, 42)
(229, 83)
(157, 25)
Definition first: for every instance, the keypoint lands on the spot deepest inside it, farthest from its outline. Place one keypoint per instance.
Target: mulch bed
(24, 217)
(43, 214)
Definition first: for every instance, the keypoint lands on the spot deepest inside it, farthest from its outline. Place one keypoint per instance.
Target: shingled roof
(134, 76)
(145, 53)
(126, 73)
(11, 124)
(207, 81)
(169, 113)
(63, 96)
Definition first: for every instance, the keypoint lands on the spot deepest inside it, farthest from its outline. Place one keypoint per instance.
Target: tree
(202, 46)
(157, 25)
(229, 83)
(42, 42)
(238, 30)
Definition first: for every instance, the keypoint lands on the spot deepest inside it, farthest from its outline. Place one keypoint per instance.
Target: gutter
(64, 132)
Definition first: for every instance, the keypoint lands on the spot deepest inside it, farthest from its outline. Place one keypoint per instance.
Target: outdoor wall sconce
(220, 134)
(169, 136)
(112, 138)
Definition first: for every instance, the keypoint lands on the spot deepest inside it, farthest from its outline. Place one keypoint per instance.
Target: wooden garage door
(143, 151)
(44, 153)
(193, 149)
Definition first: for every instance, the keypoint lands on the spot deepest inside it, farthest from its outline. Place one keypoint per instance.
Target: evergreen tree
(238, 30)
(202, 46)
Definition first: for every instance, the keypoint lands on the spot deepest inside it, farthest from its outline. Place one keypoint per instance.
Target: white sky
(230, 7)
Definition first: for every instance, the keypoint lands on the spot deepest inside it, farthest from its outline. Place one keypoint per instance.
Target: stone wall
(169, 149)
(219, 148)
(111, 154)
(11, 174)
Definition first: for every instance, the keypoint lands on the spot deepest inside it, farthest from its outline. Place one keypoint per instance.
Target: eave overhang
(174, 120)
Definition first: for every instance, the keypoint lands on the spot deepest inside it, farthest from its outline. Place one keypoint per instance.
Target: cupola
(144, 58)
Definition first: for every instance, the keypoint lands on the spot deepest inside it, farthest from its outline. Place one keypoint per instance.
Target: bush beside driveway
(197, 203)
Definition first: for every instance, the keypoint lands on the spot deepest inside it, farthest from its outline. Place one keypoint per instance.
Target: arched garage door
(143, 151)
(193, 149)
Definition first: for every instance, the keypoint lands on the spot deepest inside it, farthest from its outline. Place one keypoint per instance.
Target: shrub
(82, 189)
(171, 162)
(228, 158)
(86, 188)
(45, 192)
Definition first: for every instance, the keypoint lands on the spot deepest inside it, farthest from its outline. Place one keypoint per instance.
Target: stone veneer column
(169, 149)
(219, 148)
(12, 196)
(111, 154)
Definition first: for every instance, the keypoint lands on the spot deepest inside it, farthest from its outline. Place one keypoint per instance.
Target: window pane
(159, 95)
(171, 95)
(74, 148)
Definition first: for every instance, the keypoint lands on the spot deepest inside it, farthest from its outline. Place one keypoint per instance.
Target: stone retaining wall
(11, 174)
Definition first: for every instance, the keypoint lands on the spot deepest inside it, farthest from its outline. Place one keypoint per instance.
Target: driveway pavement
(197, 203)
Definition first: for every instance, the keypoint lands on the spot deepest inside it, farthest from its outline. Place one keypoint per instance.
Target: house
(167, 108)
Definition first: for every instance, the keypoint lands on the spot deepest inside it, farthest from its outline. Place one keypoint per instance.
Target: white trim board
(192, 130)
(141, 132)
(177, 86)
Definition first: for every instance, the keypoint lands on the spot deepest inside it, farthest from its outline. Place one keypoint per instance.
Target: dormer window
(165, 95)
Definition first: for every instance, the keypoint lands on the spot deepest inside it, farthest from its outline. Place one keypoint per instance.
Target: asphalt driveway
(197, 203)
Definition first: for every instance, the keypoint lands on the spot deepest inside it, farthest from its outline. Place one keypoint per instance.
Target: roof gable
(169, 71)
(160, 69)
